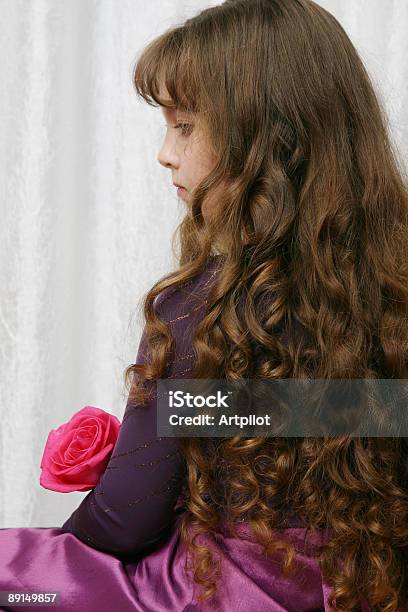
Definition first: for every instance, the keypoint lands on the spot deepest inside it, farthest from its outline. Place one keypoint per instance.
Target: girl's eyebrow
(167, 111)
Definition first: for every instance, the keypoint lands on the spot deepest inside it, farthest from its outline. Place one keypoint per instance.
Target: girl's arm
(133, 504)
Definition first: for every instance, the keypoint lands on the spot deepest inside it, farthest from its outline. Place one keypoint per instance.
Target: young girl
(292, 264)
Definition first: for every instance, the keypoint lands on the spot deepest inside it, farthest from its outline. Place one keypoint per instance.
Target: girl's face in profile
(184, 153)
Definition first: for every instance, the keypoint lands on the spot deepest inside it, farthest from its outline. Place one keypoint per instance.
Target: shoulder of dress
(180, 300)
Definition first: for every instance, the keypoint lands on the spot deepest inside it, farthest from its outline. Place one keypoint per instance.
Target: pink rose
(77, 452)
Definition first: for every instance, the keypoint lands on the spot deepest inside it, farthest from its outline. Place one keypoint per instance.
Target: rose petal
(77, 452)
(48, 482)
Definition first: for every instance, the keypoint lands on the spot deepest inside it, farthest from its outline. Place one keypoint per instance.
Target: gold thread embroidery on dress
(137, 448)
(149, 463)
(139, 500)
(200, 305)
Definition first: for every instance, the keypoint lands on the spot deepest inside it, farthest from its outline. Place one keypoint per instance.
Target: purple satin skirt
(51, 560)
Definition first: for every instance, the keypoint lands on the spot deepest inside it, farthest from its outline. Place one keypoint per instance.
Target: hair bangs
(164, 75)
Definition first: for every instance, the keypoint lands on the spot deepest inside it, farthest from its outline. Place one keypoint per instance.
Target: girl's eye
(186, 128)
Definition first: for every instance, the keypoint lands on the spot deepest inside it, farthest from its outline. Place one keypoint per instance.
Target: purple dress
(120, 549)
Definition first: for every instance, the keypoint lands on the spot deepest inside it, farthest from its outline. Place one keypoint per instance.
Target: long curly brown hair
(312, 218)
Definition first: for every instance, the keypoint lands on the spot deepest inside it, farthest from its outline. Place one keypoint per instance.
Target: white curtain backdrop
(87, 213)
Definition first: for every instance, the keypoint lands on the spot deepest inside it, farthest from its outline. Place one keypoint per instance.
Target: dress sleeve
(134, 499)
(134, 503)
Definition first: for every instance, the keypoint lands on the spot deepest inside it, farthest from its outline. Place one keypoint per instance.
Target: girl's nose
(167, 156)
